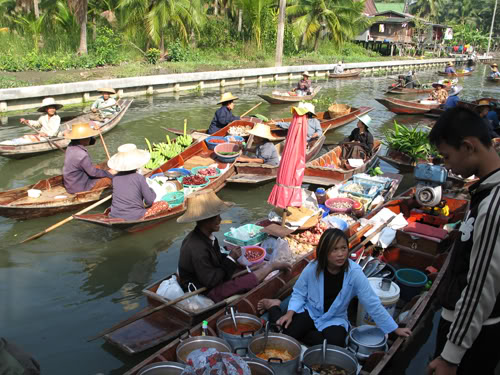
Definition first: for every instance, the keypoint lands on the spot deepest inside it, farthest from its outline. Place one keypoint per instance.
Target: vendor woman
(362, 135)
(50, 122)
(439, 94)
(321, 296)
(130, 191)
(79, 174)
(265, 151)
(223, 116)
(313, 125)
(201, 261)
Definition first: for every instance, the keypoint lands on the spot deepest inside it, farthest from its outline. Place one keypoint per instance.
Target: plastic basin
(227, 147)
(214, 141)
(410, 281)
(256, 249)
(332, 201)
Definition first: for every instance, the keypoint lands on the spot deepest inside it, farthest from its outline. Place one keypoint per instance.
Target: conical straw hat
(262, 131)
(128, 158)
(227, 97)
(49, 102)
(203, 205)
(81, 131)
(109, 90)
(306, 73)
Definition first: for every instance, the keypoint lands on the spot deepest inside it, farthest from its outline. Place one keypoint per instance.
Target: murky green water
(57, 291)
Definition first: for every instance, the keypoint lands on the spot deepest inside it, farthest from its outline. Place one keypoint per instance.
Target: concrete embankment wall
(22, 98)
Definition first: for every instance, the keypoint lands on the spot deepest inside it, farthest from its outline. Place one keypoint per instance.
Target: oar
(68, 219)
(47, 138)
(250, 110)
(367, 239)
(103, 143)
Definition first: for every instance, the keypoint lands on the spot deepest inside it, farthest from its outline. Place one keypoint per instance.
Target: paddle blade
(34, 237)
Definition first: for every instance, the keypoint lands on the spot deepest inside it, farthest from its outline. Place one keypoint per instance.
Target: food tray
(174, 199)
(258, 238)
(385, 182)
(366, 188)
(181, 179)
(196, 169)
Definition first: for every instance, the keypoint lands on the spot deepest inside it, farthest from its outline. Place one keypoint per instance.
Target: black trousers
(483, 354)
(302, 328)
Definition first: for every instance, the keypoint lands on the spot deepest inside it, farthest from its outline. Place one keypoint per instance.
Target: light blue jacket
(313, 126)
(308, 294)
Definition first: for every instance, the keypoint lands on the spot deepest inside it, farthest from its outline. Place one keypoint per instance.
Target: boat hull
(465, 74)
(348, 74)
(277, 99)
(405, 107)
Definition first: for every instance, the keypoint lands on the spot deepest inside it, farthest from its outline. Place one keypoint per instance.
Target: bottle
(320, 195)
(204, 328)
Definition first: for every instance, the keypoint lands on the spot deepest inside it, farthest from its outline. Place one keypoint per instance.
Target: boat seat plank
(250, 178)
(47, 196)
(323, 181)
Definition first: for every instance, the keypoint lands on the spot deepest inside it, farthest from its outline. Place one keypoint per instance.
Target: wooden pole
(103, 143)
(68, 219)
(250, 110)
(491, 28)
(367, 239)
(281, 33)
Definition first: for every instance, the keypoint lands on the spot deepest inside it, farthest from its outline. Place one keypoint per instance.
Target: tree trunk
(36, 10)
(83, 36)
(94, 28)
(216, 7)
(240, 20)
(162, 46)
(316, 41)
(281, 34)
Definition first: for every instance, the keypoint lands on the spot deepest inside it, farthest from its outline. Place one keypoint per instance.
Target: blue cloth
(308, 294)
(78, 172)
(222, 117)
(313, 126)
(451, 102)
(493, 117)
(130, 189)
(268, 153)
(450, 69)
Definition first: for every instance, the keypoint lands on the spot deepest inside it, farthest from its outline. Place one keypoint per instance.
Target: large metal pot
(333, 355)
(258, 366)
(185, 347)
(241, 340)
(277, 341)
(163, 368)
(365, 340)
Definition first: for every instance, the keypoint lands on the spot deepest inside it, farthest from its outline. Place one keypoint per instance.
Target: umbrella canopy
(288, 192)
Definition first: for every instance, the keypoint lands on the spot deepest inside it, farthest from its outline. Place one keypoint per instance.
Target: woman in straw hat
(483, 108)
(314, 129)
(362, 134)
(201, 261)
(50, 122)
(450, 69)
(223, 115)
(79, 174)
(105, 104)
(439, 94)
(265, 152)
(494, 71)
(130, 189)
(304, 85)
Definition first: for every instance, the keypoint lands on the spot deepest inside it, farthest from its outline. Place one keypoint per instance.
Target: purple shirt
(129, 191)
(78, 172)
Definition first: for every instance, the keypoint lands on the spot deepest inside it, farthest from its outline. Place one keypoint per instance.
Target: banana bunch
(162, 152)
(184, 140)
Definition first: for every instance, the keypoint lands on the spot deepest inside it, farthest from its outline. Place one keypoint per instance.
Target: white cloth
(387, 235)
(48, 126)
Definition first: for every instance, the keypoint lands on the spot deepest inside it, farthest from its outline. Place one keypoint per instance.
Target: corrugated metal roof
(370, 8)
(395, 7)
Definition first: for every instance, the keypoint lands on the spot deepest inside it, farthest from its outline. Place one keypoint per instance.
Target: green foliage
(8, 82)
(106, 47)
(178, 52)
(322, 102)
(466, 34)
(152, 55)
(216, 33)
(413, 142)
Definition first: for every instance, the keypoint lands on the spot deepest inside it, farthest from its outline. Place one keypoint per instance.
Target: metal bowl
(162, 368)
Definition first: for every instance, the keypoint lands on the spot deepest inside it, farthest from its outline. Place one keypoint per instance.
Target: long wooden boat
(17, 151)
(398, 256)
(253, 173)
(493, 79)
(327, 170)
(406, 107)
(458, 74)
(283, 99)
(347, 74)
(200, 149)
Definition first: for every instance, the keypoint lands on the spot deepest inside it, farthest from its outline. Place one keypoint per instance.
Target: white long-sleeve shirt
(48, 126)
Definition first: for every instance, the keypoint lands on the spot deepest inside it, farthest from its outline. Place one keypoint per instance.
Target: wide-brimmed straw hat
(434, 84)
(227, 97)
(304, 108)
(494, 65)
(128, 158)
(365, 119)
(455, 90)
(81, 131)
(494, 69)
(306, 73)
(203, 205)
(262, 131)
(483, 103)
(49, 102)
(450, 63)
(109, 90)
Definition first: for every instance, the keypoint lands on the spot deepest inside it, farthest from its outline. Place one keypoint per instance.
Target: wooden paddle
(150, 311)
(68, 219)
(103, 143)
(250, 110)
(367, 239)
(47, 138)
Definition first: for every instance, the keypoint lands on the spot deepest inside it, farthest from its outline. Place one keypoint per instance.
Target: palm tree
(429, 9)
(79, 9)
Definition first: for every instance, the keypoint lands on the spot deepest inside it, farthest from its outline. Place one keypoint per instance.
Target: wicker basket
(337, 110)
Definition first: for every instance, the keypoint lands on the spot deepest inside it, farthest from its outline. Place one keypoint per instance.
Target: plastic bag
(170, 289)
(277, 249)
(195, 303)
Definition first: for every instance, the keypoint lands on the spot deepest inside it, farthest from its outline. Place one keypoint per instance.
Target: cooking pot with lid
(186, 346)
(365, 340)
(329, 355)
(238, 340)
(163, 368)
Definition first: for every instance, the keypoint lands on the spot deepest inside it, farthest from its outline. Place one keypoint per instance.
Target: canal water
(57, 291)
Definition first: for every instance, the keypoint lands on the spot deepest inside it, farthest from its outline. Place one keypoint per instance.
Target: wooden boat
(327, 169)
(253, 173)
(434, 113)
(54, 199)
(398, 256)
(458, 74)
(493, 79)
(406, 107)
(401, 161)
(199, 149)
(42, 145)
(346, 74)
(283, 99)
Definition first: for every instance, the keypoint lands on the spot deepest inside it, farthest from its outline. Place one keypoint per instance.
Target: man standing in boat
(470, 289)
(50, 122)
(223, 116)
(201, 261)
(105, 106)
(79, 174)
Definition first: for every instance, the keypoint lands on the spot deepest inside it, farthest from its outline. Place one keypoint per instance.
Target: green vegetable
(262, 117)
(228, 153)
(413, 142)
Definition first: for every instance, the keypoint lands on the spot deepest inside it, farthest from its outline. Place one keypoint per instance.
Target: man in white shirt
(105, 106)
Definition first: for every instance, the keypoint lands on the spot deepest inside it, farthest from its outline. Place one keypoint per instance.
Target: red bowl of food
(340, 205)
(254, 254)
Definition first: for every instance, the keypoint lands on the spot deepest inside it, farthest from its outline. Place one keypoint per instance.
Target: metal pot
(277, 341)
(365, 340)
(162, 368)
(259, 366)
(333, 355)
(185, 347)
(241, 340)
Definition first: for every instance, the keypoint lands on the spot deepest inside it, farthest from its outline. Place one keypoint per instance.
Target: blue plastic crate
(258, 238)
(366, 189)
(364, 178)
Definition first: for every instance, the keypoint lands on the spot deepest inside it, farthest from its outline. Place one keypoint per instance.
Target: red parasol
(287, 192)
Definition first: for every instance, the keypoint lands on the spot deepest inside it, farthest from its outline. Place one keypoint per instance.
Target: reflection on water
(80, 279)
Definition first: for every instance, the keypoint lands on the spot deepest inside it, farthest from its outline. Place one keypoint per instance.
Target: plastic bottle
(320, 195)
(204, 328)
